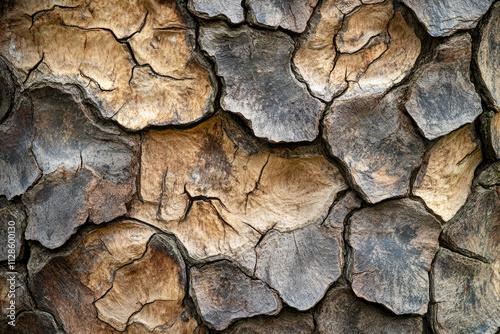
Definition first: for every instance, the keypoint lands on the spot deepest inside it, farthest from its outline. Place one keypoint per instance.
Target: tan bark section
(217, 196)
(370, 49)
(122, 277)
(363, 24)
(148, 291)
(97, 44)
(445, 181)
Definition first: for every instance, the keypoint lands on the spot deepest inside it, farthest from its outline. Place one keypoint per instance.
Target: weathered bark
(223, 294)
(300, 264)
(368, 49)
(150, 83)
(255, 66)
(286, 322)
(487, 57)
(444, 182)
(342, 312)
(465, 295)
(490, 131)
(115, 277)
(377, 144)
(90, 165)
(393, 245)
(287, 14)
(226, 189)
(249, 166)
(229, 9)
(443, 18)
(447, 75)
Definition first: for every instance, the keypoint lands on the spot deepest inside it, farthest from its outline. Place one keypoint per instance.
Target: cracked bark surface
(393, 245)
(230, 9)
(284, 166)
(124, 65)
(259, 84)
(447, 75)
(224, 294)
(444, 181)
(475, 229)
(227, 189)
(131, 275)
(17, 161)
(153, 305)
(54, 136)
(301, 264)
(377, 144)
(286, 322)
(342, 312)
(487, 60)
(7, 90)
(466, 295)
(353, 49)
(490, 131)
(443, 18)
(287, 14)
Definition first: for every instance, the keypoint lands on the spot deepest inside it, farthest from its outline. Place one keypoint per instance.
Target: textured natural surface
(401, 233)
(123, 64)
(139, 281)
(301, 271)
(447, 75)
(444, 17)
(487, 57)
(224, 294)
(490, 130)
(228, 9)
(377, 143)
(475, 230)
(249, 166)
(7, 90)
(89, 164)
(259, 83)
(444, 182)
(220, 207)
(286, 322)
(465, 295)
(17, 161)
(287, 14)
(342, 312)
(353, 48)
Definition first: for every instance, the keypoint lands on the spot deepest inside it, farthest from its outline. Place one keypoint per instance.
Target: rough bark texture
(354, 49)
(255, 66)
(224, 294)
(342, 312)
(466, 295)
(444, 182)
(249, 166)
(287, 14)
(230, 9)
(301, 271)
(490, 130)
(376, 142)
(487, 59)
(219, 208)
(286, 322)
(393, 245)
(443, 18)
(447, 75)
